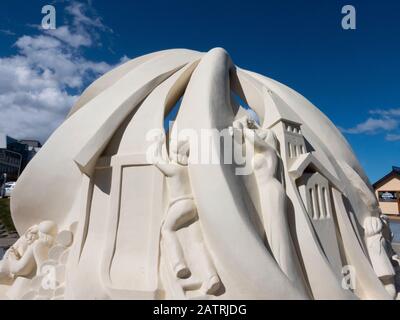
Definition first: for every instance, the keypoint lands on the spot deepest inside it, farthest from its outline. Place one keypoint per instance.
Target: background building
(26, 148)
(388, 192)
(15, 155)
(10, 161)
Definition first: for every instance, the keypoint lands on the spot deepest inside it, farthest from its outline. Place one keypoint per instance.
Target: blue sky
(351, 75)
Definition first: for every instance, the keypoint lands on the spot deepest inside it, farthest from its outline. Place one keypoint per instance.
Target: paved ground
(8, 242)
(7, 239)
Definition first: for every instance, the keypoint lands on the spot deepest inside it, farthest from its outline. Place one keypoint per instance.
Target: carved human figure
(182, 212)
(392, 254)
(28, 253)
(378, 253)
(378, 235)
(273, 199)
(15, 252)
(388, 236)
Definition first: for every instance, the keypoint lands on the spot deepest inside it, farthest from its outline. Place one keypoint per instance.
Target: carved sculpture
(273, 198)
(12, 257)
(173, 227)
(29, 252)
(33, 267)
(392, 254)
(181, 212)
(378, 252)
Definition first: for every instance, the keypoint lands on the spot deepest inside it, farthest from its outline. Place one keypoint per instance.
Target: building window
(388, 196)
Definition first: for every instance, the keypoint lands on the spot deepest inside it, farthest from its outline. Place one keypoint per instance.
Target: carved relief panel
(315, 191)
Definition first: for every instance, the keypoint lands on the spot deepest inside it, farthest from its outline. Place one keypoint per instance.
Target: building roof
(394, 173)
(277, 110)
(31, 143)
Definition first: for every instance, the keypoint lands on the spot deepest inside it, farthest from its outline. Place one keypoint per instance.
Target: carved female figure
(273, 199)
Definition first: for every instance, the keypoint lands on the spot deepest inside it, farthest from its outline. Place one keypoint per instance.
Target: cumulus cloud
(386, 113)
(373, 125)
(7, 32)
(382, 121)
(40, 83)
(73, 39)
(393, 137)
(80, 14)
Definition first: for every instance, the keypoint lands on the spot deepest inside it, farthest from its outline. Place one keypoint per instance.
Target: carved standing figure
(273, 199)
(388, 236)
(378, 253)
(182, 212)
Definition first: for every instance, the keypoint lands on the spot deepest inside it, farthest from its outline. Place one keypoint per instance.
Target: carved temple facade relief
(316, 193)
(310, 186)
(295, 141)
(314, 190)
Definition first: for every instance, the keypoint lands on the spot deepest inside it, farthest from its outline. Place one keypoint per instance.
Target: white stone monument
(114, 206)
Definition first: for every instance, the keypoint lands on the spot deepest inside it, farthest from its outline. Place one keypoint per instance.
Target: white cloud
(73, 39)
(7, 32)
(393, 137)
(383, 121)
(386, 113)
(373, 125)
(79, 12)
(40, 83)
(124, 59)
